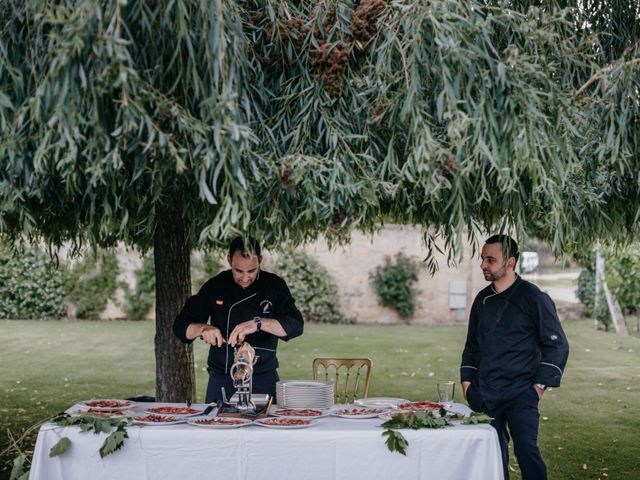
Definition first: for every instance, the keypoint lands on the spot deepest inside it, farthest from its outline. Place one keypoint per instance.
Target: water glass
(446, 392)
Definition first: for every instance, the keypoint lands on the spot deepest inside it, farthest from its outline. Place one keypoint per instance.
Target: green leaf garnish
(88, 422)
(477, 417)
(61, 447)
(113, 442)
(395, 441)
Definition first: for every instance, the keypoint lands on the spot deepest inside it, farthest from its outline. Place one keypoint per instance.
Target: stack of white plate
(305, 394)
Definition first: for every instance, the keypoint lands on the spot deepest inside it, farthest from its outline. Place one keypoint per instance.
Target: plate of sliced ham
(298, 412)
(172, 410)
(357, 412)
(157, 420)
(285, 422)
(420, 406)
(108, 413)
(392, 413)
(219, 422)
(108, 404)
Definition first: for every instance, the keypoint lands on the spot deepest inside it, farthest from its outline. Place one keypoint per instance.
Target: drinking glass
(445, 392)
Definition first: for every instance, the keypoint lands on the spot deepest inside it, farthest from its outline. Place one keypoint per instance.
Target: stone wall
(351, 265)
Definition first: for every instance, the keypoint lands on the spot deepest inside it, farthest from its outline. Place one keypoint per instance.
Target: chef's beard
(495, 276)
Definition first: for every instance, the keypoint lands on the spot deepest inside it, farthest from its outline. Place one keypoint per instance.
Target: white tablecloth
(336, 448)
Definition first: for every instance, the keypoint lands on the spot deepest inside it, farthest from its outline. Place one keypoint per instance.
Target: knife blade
(210, 407)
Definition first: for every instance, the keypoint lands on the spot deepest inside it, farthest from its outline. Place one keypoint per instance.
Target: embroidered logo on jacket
(219, 302)
(266, 305)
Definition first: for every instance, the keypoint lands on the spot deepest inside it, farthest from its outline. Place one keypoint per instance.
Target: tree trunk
(615, 310)
(613, 305)
(599, 277)
(175, 376)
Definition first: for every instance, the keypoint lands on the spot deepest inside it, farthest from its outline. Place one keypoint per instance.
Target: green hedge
(312, 287)
(623, 276)
(138, 302)
(91, 282)
(394, 282)
(30, 285)
(34, 286)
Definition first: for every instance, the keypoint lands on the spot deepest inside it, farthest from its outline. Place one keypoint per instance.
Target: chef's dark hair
(508, 244)
(247, 245)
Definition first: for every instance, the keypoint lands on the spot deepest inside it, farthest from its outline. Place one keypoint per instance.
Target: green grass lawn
(589, 427)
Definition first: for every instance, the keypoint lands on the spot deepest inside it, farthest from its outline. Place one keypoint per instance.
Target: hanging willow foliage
(297, 119)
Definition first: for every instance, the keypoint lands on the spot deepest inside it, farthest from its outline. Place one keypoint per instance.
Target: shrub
(622, 269)
(91, 282)
(211, 263)
(204, 265)
(623, 275)
(312, 287)
(138, 302)
(31, 285)
(393, 282)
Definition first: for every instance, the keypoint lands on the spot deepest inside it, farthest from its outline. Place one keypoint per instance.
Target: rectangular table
(335, 448)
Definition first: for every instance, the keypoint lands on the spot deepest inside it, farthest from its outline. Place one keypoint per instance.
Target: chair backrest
(352, 376)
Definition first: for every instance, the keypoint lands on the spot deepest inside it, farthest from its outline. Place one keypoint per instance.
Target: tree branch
(601, 73)
(598, 75)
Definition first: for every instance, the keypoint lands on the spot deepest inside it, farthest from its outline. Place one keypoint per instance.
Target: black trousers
(262, 383)
(520, 418)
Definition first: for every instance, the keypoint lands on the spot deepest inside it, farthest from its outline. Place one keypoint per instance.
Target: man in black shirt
(515, 349)
(237, 304)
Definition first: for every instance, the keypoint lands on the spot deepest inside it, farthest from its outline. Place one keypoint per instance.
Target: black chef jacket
(514, 340)
(225, 304)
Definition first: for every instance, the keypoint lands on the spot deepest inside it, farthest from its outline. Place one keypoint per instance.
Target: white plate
(420, 406)
(380, 402)
(295, 412)
(305, 401)
(124, 404)
(301, 384)
(307, 395)
(105, 414)
(389, 415)
(366, 412)
(140, 420)
(151, 411)
(262, 423)
(78, 412)
(313, 406)
(237, 422)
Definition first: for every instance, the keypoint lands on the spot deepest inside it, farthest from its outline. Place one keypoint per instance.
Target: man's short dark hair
(247, 245)
(508, 245)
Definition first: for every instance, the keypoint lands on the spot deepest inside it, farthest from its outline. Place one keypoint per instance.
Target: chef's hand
(242, 330)
(465, 387)
(208, 333)
(539, 391)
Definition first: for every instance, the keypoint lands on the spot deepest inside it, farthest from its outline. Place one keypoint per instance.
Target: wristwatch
(541, 386)
(258, 321)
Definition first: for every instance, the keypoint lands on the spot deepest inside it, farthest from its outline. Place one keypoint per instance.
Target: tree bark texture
(175, 376)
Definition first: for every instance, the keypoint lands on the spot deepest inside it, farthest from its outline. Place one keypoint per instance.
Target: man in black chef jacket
(243, 303)
(515, 349)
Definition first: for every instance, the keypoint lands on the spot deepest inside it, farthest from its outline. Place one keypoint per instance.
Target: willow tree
(168, 124)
